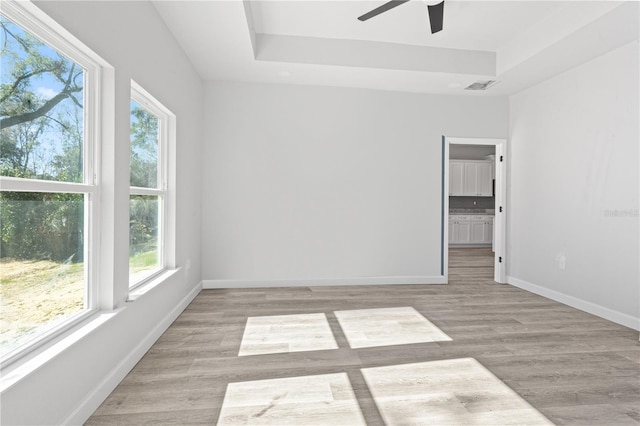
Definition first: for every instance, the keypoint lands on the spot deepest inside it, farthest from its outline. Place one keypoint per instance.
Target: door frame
(499, 223)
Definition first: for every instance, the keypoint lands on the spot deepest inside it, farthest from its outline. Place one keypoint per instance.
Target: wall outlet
(562, 261)
(187, 265)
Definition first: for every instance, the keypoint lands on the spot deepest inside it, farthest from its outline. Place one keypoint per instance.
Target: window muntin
(47, 142)
(148, 191)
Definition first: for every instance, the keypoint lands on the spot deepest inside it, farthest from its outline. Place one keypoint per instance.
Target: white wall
(574, 161)
(331, 184)
(134, 40)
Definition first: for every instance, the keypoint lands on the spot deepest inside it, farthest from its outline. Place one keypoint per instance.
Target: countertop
(473, 211)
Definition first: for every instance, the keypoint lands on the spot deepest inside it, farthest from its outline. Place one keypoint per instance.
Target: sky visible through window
(49, 145)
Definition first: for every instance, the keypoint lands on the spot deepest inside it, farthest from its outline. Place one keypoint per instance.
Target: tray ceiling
(517, 43)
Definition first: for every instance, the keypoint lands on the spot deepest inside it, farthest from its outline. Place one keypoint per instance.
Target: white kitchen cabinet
(484, 181)
(459, 229)
(477, 179)
(481, 229)
(456, 178)
(477, 231)
(452, 230)
(470, 178)
(470, 229)
(463, 232)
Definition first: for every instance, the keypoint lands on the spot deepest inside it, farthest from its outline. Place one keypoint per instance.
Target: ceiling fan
(436, 12)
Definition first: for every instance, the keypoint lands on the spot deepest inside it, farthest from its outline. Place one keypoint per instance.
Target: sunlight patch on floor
(307, 400)
(286, 333)
(366, 328)
(447, 392)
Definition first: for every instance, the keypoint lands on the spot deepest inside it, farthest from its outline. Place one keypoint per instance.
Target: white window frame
(38, 24)
(166, 182)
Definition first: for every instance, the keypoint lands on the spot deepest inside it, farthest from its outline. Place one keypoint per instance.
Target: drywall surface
(573, 199)
(134, 40)
(328, 184)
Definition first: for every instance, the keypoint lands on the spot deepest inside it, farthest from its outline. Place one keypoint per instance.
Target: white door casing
(499, 223)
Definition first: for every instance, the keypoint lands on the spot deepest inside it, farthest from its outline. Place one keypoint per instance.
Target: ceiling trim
(371, 54)
(611, 31)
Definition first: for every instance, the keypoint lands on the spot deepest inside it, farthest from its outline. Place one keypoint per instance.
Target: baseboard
(93, 400)
(318, 282)
(574, 302)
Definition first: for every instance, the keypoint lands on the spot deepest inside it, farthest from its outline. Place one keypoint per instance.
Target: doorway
(498, 188)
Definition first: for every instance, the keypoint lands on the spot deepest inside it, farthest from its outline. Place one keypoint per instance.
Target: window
(150, 128)
(48, 140)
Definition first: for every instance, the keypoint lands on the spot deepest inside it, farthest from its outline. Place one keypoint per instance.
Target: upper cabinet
(477, 179)
(456, 178)
(470, 178)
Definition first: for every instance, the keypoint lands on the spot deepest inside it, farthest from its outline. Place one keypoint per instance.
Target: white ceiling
(518, 43)
(406, 24)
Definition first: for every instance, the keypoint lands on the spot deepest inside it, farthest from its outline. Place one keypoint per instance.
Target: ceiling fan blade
(378, 10)
(436, 16)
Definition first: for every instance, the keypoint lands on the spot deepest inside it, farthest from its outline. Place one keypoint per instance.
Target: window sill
(33, 361)
(19, 369)
(151, 283)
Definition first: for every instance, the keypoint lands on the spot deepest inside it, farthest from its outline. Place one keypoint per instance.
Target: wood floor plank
(569, 366)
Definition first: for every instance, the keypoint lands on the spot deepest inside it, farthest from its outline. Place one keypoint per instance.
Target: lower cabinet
(470, 229)
(459, 229)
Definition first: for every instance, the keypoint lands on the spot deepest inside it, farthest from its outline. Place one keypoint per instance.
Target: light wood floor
(569, 366)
